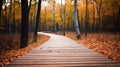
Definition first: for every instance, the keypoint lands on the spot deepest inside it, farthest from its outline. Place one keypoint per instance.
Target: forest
(93, 23)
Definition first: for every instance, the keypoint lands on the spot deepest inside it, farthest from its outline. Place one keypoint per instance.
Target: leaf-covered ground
(9, 53)
(104, 43)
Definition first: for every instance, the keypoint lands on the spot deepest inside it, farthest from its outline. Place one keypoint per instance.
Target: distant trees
(37, 21)
(76, 19)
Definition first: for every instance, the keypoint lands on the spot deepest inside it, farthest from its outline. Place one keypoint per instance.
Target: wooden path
(60, 51)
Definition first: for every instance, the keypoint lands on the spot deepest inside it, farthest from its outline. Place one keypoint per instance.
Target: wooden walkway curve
(60, 51)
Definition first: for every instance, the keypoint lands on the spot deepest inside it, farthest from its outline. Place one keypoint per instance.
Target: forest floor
(9, 53)
(104, 43)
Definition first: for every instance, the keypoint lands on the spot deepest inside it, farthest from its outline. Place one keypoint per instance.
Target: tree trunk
(29, 7)
(61, 17)
(64, 18)
(93, 25)
(54, 18)
(1, 7)
(10, 25)
(86, 19)
(76, 19)
(37, 21)
(45, 20)
(118, 21)
(29, 16)
(99, 15)
(34, 13)
(14, 23)
(24, 24)
(1, 2)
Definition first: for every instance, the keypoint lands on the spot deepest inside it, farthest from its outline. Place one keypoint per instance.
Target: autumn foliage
(8, 54)
(104, 43)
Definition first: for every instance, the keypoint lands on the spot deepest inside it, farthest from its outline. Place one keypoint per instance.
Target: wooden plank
(42, 49)
(73, 60)
(64, 65)
(78, 60)
(61, 54)
(38, 53)
(61, 57)
(60, 48)
(62, 51)
(66, 59)
(62, 62)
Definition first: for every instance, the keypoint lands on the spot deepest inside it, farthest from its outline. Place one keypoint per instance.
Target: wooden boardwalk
(60, 51)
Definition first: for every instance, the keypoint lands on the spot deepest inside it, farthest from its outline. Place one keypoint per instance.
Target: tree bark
(61, 17)
(1, 7)
(54, 18)
(37, 21)
(10, 25)
(24, 24)
(99, 15)
(93, 25)
(76, 19)
(118, 21)
(86, 19)
(29, 7)
(1, 2)
(45, 20)
(64, 18)
(34, 13)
